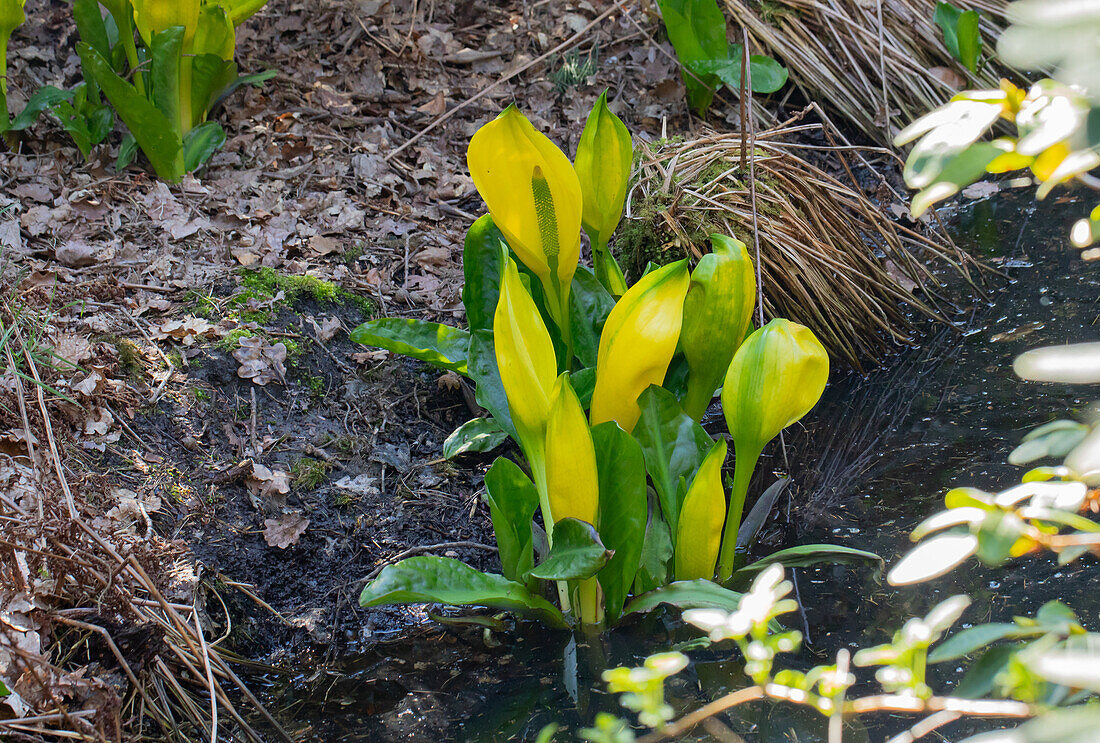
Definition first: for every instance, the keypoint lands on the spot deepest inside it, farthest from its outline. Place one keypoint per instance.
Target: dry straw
(830, 259)
(879, 64)
(118, 659)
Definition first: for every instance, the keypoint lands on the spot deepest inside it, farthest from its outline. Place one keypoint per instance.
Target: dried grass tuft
(89, 642)
(830, 259)
(877, 63)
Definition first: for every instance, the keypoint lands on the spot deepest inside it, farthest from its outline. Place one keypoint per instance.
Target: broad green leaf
(955, 128)
(806, 555)
(479, 434)
(656, 554)
(165, 51)
(961, 34)
(576, 553)
(439, 345)
(687, 594)
(673, 444)
(973, 639)
(997, 535)
(441, 580)
(210, 76)
(90, 26)
(697, 30)
(1054, 439)
(126, 152)
(200, 143)
(512, 502)
(970, 39)
(623, 511)
(483, 371)
(947, 18)
(584, 383)
(981, 676)
(767, 75)
(482, 263)
(75, 125)
(43, 99)
(589, 304)
(948, 176)
(154, 133)
(1054, 616)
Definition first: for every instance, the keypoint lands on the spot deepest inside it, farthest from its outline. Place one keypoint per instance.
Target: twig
(485, 91)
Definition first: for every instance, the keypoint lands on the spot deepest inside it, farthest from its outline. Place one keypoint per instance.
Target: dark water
(872, 461)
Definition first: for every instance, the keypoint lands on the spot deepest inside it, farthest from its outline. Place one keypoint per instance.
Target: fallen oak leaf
(285, 530)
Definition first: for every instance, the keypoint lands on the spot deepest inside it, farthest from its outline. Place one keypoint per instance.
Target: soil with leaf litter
(204, 390)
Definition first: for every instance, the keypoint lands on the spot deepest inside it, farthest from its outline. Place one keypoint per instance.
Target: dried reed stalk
(96, 605)
(874, 62)
(830, 259)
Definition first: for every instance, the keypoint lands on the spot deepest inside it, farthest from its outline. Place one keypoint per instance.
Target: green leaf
(90, 26)
(806, 555)
(483, 370)
(982, 675)
(969, 39)
(154, 133)
(972, 639)
(961, 35)
(947, 18)
(75, 125)
(439, 345)
(656, 553)
(687, 594)
(584, 384)
(482, 262)
(43, 99)
(767, 75)
(512, 499)
(623, 511)
(1054, 439)
(589, 304)
(996, 535)
(577, 552)
(126, 152)
(200, 143)
(674, 446)
(697, 30)
(960, 170)
(479, 434)
(441, 580)
(210, 76)
(165, 74)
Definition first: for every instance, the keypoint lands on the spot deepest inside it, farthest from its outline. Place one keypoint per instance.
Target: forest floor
(208, 397)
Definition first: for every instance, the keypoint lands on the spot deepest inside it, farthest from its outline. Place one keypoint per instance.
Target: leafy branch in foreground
(1055, 137)
(602, 385)
(1045, 666)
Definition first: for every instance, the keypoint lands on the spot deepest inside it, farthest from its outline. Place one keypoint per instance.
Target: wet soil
(872, 461)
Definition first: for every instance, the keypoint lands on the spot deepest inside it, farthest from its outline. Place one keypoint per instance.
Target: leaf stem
(744, 466)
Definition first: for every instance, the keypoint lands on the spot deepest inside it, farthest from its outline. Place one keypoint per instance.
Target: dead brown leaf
(285, 530)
